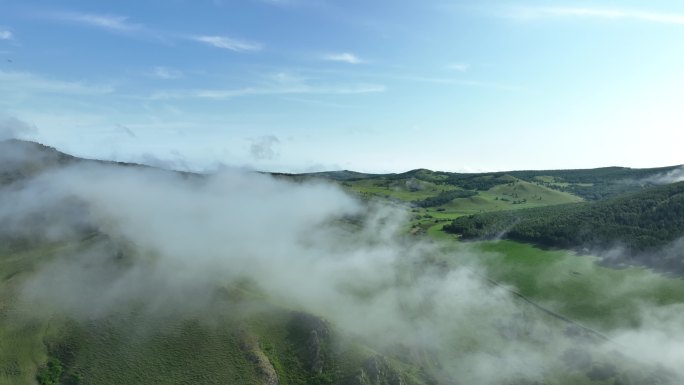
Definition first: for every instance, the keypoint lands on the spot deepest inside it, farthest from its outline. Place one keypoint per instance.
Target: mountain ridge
(345, 174)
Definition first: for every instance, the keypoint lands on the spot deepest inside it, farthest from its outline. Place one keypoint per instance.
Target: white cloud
(167, 73)
(531, 13)
(6, 34)
(461, 67)
(107, 22)
(344, 57)
(229, 43)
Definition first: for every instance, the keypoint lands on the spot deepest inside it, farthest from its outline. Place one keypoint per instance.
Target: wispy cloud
(473, 83)
(12, 83)
(218, 94)
(274, 84)
(6, 34)
(533, 13)
(315, 102)
(460, 67)
(166, 73)
(108, 22)
(122, 24)
(279, 2)
(229, 43)
(344, 57)
(291, 3)
(460, 82)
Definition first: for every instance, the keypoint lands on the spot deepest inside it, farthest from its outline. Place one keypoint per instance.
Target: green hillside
(588, 184)
(642, 223)
(242, 340)
(246, 339)
(440, 197)
(399, 310)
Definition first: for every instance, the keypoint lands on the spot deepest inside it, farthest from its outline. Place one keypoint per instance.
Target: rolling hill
(116, 273)
(643, 224)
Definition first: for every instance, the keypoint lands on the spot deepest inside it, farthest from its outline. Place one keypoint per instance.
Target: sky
(373, 86)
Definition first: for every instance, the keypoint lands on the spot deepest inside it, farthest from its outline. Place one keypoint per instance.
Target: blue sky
(301, 85)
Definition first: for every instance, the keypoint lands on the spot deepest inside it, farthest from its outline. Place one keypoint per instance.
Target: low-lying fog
(307, 245)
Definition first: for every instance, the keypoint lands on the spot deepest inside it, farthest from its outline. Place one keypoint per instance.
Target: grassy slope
(644, 223)
(571, 285)
(117, 350)
(102, 351)
(177, 349)
(575, 285)
(22, 348)
(531, 195)
(498, 198)
(135, 350)
(128, 349)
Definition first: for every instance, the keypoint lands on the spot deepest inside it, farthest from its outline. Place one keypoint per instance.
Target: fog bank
(171, 240)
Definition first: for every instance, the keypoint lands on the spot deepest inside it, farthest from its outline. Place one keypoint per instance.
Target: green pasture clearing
(511, 196)
(575, 285)
(514, 195)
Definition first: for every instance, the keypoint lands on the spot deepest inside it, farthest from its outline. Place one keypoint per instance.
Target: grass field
(243, 339)
(512, 196)
(226, 347)
(22, 348)
(574, 285)
(221, 348)
(433, 315)
(517, 194)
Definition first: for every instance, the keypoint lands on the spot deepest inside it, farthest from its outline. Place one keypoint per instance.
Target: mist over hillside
(155, 247)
